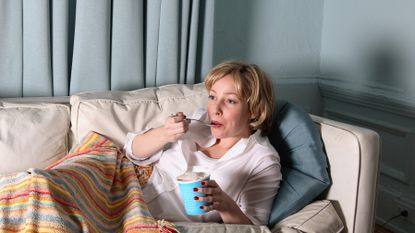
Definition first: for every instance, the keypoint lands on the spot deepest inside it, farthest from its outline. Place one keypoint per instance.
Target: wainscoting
(379, 108)
(394, 120)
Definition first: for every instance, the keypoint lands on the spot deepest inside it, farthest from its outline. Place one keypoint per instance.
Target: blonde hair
(253, 86)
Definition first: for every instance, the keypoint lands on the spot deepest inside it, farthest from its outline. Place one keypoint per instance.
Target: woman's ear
(253, 117)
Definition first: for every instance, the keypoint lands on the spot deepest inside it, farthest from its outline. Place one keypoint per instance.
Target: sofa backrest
(114, 114)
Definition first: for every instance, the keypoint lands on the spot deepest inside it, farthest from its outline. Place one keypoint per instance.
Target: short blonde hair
(253, 86)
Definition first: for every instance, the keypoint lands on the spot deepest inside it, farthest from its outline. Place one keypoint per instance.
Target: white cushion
(113, 114)
(317, 217)
(32, 135)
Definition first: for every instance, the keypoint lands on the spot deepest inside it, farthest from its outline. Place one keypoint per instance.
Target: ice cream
(191, 176)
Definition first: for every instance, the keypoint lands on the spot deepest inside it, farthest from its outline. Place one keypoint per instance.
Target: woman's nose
(218, 109)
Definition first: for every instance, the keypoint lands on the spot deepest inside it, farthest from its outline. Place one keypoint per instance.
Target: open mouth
(215, 124)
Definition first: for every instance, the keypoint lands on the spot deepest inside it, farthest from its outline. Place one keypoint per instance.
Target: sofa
(38, 131)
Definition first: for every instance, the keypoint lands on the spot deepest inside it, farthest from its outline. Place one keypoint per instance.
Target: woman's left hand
(220, 201)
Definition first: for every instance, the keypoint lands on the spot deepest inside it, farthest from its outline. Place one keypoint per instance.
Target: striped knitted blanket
(92, 189)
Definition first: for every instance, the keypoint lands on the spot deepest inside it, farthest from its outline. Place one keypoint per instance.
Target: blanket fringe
(166, 226)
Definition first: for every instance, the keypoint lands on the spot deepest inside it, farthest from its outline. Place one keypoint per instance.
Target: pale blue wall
(371, 42)
(283, 37)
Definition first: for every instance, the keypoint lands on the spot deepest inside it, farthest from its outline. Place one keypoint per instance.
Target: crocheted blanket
(92, 189)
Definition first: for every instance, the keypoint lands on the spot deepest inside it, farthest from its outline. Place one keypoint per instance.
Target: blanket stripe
(92, 189)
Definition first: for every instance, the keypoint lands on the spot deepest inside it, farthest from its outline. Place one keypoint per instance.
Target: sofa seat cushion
(32, 135)
(220, 228)
(317, 217)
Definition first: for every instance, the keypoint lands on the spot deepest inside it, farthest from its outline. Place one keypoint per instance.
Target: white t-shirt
(249, 173)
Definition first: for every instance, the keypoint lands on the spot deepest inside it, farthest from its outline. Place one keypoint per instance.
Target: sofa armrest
(353, 156)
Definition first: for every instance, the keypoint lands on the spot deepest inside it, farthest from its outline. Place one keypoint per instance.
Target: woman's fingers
(209, 187)
(176, 126)
(214, 195)
(213, 206)
(210, 183)
(178, 121)
(209, 199)
(178, 117)
(216, 199)
(213, 202)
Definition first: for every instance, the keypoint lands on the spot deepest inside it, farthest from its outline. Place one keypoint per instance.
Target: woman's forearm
(234, 216)
(152, 141)
(147, 144)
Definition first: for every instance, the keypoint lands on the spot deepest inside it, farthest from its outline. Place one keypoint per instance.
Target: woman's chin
(216, 134)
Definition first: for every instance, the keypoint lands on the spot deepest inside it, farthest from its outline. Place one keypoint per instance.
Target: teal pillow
(303, 160)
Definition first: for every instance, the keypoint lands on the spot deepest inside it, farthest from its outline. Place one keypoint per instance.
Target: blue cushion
(303, 160)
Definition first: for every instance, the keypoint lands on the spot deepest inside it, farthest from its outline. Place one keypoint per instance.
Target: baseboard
(392, 203)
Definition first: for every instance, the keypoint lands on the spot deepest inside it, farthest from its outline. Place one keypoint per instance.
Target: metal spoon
(205, 123)
(191, 119)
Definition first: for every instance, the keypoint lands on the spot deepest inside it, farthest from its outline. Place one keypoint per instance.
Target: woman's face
(229, 114)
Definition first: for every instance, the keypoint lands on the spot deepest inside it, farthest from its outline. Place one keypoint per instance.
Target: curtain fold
(60, 47)
(37, 67)
(57, 48)
(127, 48)
(11, 48)
(91, 50)
(167, 47)
(190, 47)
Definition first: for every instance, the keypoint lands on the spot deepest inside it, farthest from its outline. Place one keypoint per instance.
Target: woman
(244, 167)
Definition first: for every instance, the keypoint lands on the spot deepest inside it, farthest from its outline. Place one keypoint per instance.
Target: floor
(379, 229)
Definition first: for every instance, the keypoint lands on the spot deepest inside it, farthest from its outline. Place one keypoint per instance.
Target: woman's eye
(211, 97)
(231, 101)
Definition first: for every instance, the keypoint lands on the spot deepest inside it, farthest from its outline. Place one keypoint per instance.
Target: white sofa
(41, 130)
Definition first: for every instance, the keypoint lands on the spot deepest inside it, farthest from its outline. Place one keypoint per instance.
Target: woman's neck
(220, 147)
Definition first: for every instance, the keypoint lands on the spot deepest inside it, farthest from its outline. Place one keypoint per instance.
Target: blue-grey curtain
(60, 47)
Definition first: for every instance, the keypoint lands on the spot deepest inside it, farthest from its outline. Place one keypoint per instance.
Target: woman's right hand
(175, 127)
(145, 145)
